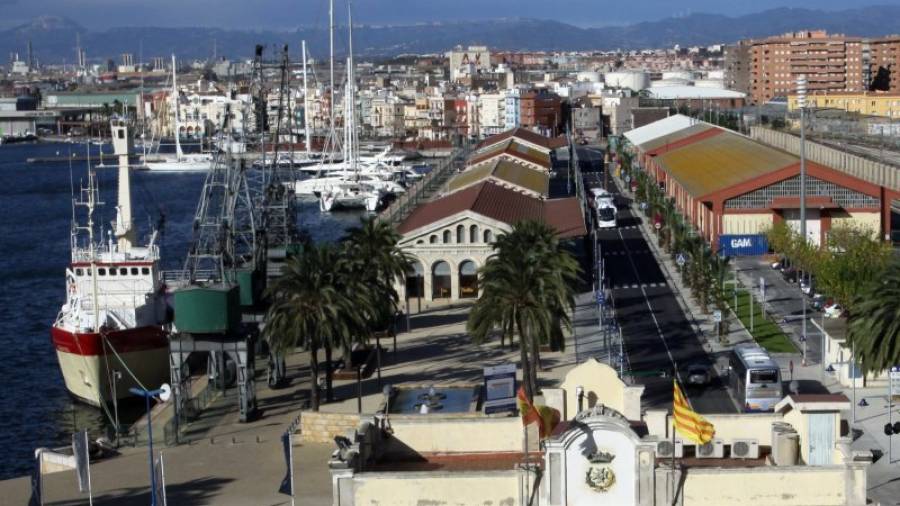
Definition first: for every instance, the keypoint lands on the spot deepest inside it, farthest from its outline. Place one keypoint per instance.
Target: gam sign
(743, 245)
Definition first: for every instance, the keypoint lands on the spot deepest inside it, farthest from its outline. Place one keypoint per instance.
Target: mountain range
(53, 38)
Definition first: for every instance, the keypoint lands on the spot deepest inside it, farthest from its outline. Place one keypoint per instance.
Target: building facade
(771, 66)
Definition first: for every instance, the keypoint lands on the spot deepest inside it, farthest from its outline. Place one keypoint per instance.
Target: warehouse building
(730, 186)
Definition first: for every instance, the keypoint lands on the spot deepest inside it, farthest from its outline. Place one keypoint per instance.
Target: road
(656, 333)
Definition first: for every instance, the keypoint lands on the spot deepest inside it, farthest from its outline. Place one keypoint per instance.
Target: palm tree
(375, 263)
(874, 324)
(527, 289)
(311, 307)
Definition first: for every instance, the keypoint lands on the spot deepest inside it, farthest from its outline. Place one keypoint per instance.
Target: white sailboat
(181, 162)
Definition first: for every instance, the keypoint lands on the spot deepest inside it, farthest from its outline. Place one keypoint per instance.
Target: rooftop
(514, 148)
(525, 135)
(692, 92)
(506, 173)
(721, 161)
(502, 204)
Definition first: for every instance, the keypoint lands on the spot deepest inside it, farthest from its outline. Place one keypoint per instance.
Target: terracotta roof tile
(502, 204)
(524, 134)
(514, 149)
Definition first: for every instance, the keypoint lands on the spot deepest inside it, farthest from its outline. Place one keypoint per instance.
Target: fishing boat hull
(87, 361)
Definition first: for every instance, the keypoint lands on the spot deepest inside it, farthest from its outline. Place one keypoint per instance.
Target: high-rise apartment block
(884, 63)
(769, 68)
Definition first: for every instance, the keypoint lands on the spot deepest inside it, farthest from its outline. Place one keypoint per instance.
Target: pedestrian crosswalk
(623, 252)
(625, 286)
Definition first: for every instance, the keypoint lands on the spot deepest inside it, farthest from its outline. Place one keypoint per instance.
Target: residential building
(469, 61)
(884, 60)
(738, 64)
(542, 110)
(512, 110)
(830, 63)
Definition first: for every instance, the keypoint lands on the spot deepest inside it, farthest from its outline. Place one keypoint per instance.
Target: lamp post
(164, 392)
(801, 102)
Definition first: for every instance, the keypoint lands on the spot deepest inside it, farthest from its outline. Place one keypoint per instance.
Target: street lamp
(801, 103)
(163, 392)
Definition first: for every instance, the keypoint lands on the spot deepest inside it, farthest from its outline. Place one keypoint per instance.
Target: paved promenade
(229, 463)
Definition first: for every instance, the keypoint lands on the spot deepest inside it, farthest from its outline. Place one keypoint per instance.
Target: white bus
(606, 214)
(755, 378)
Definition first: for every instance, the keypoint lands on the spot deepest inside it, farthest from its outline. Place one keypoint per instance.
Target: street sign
(717, 316)
(643, 205)
(601, 297)
(500, 388)
(657, 225)
(894, 376)
(680, 260)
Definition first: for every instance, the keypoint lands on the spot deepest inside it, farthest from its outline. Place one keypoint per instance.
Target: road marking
(652, 313)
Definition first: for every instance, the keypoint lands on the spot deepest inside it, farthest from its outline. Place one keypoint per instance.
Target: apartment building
(541, 109)
(884, 56)
(830, 62)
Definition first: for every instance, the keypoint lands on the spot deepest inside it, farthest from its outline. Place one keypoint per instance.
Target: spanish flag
(690, 424)
(546, 417)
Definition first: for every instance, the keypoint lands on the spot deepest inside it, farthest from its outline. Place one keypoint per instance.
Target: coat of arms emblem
(600, 478)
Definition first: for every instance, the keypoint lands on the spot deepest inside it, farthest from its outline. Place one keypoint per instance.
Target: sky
(279, 14)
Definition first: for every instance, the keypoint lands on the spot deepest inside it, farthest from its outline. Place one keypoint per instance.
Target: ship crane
(244, 227)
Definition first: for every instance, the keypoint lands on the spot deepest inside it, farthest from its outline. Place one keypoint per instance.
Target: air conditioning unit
(715, 449)
(745, 449)
(665, 448)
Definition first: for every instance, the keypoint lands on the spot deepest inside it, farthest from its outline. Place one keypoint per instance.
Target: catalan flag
(689, 423)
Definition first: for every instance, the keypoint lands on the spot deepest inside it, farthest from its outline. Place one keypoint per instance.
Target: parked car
(807, 286)
(697, 375)
(779, 263)
(789, 274)
(818, 302)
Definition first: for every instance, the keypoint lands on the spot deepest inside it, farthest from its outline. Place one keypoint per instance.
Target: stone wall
(322, 427)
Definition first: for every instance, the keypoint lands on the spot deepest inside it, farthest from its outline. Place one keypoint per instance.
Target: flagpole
(291, 452)
(90, 491)
(673, 448)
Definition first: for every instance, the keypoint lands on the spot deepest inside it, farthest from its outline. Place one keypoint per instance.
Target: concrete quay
(230, 463)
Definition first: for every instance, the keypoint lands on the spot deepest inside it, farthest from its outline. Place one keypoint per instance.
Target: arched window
(488, 236)
(473, 234)
(415, 280)
(460, 234)
(446, 237)
(432, 239)
(440, 280)
(468, 280)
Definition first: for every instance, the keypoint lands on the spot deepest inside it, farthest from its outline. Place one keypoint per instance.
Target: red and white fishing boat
(110, 334)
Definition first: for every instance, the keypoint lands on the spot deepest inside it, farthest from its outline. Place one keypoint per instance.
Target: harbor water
(35, 219)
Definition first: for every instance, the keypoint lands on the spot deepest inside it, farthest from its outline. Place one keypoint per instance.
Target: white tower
(123, 144)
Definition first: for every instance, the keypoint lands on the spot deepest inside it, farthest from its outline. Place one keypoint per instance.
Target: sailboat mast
(175, 100)
(305, 103)
(331, 63)
(351, 91)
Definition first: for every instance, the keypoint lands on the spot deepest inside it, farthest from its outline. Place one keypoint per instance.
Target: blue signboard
(743, 245)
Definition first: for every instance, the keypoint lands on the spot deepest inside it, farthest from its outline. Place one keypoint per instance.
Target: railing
(421, 190)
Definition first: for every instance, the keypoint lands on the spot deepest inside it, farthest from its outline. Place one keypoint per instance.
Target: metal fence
(422, 190)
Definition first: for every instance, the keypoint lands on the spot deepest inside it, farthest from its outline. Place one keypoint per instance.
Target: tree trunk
(314, 378)
(527, 376)
(329, 375)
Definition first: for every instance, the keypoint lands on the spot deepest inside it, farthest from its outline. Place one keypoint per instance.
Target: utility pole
(801, 101)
